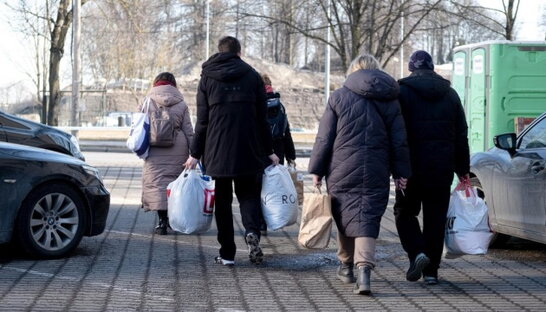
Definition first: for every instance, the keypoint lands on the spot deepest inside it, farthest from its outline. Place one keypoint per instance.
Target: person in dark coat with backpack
(283, 145)
(437, 138)
(233, 139)
(361, 141)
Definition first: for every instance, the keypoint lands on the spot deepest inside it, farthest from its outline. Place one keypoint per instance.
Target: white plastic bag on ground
(139, 137)
(279, 198)
(467, 226)
(191, 202)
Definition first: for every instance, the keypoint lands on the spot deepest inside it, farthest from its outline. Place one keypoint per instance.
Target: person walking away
(233, 140)
(437, 138)
(164, 164)
(283, 145)
(361, 140)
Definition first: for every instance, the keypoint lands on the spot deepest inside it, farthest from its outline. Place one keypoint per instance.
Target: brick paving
(128, 268)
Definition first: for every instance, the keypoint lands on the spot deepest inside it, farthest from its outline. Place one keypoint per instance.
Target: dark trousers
(247, 190)
(435, 201)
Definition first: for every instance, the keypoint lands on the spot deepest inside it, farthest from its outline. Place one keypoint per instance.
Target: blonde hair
(363, 61)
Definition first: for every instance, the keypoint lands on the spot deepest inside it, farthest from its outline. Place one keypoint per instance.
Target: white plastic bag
(190, 202)
(467, 226)
(279, 198)
(139, 137)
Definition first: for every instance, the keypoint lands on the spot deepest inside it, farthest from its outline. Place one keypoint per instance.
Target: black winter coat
(360, 142)
(232, 136)
(283, 147)
(436, 127)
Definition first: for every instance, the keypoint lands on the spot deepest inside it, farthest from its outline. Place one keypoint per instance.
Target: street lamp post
(76, 7)
(327, 59)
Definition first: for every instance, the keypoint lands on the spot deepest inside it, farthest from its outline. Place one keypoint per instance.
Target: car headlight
(92, 171)
(74, 141)
(76, 148)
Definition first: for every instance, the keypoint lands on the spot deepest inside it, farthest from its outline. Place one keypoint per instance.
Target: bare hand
(401, 183)
(191, 163)
(292, 163)
(317, 181)
(274, 159)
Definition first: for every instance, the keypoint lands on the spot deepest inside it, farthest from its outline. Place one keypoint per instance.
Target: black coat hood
(427, 84)
(225, 66)
(373, 84)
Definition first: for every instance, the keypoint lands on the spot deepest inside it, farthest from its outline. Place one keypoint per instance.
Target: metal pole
(327, 60)
(76, 7)
(207, 18)
(402, 47)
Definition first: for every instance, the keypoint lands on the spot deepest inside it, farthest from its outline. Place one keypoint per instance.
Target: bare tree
(505, 28)
(360, 26)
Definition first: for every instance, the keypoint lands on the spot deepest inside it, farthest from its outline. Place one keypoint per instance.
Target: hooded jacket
(436, 127)
(361, 141)
(164, 164)
(232, 136)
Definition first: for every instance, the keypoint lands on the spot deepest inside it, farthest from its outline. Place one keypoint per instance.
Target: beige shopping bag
(316, 221)
(297, 178)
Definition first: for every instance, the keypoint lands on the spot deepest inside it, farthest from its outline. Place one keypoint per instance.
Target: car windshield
(535, 137)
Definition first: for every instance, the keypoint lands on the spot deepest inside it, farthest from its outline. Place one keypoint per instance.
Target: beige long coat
(164, 164)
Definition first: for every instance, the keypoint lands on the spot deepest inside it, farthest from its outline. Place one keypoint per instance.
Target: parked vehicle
(512, 179)
(501, 85)
(23, 131)
(48, 200)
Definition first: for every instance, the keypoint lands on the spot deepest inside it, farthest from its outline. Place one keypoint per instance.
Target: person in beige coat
(164, 164)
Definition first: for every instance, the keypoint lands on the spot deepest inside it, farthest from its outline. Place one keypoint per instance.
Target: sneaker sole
(420, 265)
(360, 291)
(228, 263)
(255, 253)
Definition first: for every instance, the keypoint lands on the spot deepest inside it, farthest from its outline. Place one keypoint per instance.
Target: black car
(48, 200)
(22, 131)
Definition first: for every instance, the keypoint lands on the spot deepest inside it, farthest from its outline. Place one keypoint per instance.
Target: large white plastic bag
(467, 226)
(139, 137)
(279, 198)
(190, 202)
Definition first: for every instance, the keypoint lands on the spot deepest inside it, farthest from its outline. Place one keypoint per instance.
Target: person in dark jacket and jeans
(437, 138)
(232, 139)
(361, 141)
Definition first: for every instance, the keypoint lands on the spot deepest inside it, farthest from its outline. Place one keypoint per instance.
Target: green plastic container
(502, 85)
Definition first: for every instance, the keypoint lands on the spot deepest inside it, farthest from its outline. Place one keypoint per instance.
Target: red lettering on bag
(168, 193)
(208, 207)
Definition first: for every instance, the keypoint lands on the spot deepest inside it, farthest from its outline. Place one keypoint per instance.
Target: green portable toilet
(502, 85)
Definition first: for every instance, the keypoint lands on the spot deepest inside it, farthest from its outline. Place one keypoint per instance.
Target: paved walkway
(129, 268)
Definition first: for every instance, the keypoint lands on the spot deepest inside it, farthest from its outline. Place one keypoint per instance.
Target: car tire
(51, 221)
(498, 240)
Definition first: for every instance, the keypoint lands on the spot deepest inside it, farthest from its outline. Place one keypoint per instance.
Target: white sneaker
(225, 262)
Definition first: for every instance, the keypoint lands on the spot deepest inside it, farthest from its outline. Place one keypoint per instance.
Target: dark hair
(229, 44)
(166, 76)
(266, 79)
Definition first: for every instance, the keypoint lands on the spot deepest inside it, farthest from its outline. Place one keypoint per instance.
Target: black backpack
(276, 117)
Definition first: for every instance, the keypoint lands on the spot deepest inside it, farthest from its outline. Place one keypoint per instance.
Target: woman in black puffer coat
(361, 141)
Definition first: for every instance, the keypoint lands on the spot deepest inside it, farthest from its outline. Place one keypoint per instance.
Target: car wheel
(498, 240)
(51, 221)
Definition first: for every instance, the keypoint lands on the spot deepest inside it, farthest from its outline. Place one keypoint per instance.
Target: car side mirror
(506, 142)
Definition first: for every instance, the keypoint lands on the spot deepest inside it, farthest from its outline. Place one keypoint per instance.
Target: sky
(16, 59)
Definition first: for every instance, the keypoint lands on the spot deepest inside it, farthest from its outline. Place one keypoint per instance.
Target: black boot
(161, 228)
(345, 273)
(362, 285)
